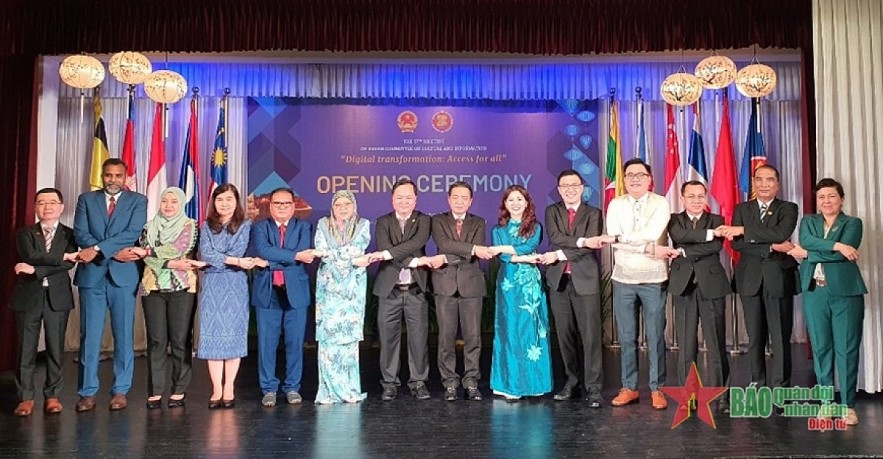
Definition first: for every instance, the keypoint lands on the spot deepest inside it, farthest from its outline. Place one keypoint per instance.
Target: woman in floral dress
(521, 364)
(341, 286)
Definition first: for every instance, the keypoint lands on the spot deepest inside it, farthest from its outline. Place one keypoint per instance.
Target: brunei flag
(100, 153)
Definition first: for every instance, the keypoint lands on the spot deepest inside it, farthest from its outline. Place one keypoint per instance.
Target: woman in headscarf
(341, 286)
(168, 288)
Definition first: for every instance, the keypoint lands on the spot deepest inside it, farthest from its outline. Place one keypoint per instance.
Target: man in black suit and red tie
(42, 296)
(459, 287)
(766, 276)
(574, 229)
(401, 289)
(699, 286)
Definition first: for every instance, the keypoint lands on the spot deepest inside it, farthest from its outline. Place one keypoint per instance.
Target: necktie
(111, 206)
(571, 218)
(459, 226)
(694, 221)
(278, 276)
(763, 209)
(48, 234)
(405, 273)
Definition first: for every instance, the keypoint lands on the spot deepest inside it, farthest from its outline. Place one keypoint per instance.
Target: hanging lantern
(129, 67)
(81, 71)
(716, 72)
(681, 89)
(165, 86)
(756, 80)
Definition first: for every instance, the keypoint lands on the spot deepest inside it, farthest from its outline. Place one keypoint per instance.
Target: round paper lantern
(165, 86)
(129, 67)
(81, 71)
(716, 72)
(756, 80)
(681, 89)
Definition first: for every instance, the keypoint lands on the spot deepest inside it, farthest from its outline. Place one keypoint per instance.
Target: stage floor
(405, 427)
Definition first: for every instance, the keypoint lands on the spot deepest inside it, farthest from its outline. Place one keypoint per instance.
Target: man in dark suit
(459, 287)
(574, 229)
(280, 295)
(766, 276)
(42, 294)
(401, 289)
(107, 225)
(699, 286)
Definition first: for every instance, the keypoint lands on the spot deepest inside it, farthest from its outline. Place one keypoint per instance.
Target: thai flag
(189, 178)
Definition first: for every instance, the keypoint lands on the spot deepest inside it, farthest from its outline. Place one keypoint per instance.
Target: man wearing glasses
(699, 287)
(638, 222)
(574, 229)
(280, 295)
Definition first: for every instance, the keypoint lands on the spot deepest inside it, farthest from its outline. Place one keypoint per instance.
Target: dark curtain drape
(30, 28)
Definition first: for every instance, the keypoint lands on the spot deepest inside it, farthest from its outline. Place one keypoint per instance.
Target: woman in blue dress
(223, 296)
(521, 364)
(341, 286)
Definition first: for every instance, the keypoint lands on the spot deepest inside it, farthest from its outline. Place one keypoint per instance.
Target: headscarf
(343, 234)
(162, 230)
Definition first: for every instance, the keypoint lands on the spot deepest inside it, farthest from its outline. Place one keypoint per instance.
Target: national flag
(219, 154)
(128, 155)
(724, 187)
(156, 171)
(754, 154)
(696, 160)
(189, 179)
(673, 176)
(641, 132)
(613, 171)
(100, 153)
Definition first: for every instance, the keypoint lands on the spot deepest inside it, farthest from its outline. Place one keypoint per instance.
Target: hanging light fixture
(756, 80)
(681, 88)
(716, 72)
(81, 71)
(165, 86)
(129, 67)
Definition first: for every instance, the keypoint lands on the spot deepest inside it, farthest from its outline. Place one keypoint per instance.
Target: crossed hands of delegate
(849, 252)
(729, 232)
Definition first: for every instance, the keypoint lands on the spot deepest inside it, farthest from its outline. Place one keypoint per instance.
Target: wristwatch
(96, 248)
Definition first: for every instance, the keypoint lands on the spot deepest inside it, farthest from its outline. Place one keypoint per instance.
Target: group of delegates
(111, 234)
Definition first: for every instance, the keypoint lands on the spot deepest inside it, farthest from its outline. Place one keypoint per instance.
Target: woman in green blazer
(833, 290)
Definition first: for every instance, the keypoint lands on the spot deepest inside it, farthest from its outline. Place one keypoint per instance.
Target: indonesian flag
(156, 172)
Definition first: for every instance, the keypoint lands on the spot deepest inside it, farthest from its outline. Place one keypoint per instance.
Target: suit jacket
(93, 227)
(702, 259)
(758, 265)
(843, 277)
(583, 262)
(265, 244)
(403, 248)
(31, 247)
(462, 272)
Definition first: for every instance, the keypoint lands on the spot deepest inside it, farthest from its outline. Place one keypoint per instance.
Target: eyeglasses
(282, 203)
(639, 175)
(48, 203)
(570, 187)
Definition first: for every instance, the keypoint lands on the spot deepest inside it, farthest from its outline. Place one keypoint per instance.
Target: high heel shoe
(154, 404)
(214, 404)
(228, 403)
(176, 402)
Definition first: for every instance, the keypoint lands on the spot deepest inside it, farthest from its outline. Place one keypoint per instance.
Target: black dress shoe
(176, 403)
(154, 404)
(724, 405)
(420, 392)
(472, 393)
(594, 398)
(214, 404)
(389, 393)
(451, 394)
(566, 393)
(228, 403)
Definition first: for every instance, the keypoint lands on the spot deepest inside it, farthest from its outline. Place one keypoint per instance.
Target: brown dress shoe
(658, 399)
(118, 402)
(52, 406)
(85, 404)
(625, 397)
(25, 408)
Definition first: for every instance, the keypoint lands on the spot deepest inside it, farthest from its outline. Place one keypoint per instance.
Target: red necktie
(459, 226)
(111, 206)
(278, 276)
(571, 217)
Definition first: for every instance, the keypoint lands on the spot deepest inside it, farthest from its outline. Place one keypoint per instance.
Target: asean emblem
(407, 121)
(442, 121)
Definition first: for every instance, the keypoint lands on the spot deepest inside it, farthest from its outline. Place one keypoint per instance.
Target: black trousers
(578, 325)
(412, 305)
(169, 320)
(54, 325)
(773, 317)
(693, 307)
(465, 312)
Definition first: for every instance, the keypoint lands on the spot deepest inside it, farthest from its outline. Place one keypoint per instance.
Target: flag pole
(615, 334)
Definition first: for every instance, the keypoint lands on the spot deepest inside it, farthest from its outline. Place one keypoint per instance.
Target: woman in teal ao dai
(521, 364)
(341, 286)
